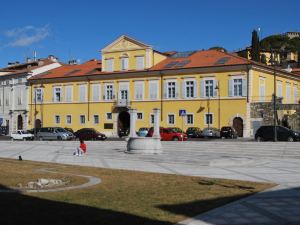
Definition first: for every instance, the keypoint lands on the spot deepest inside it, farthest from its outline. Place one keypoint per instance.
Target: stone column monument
(132, 113)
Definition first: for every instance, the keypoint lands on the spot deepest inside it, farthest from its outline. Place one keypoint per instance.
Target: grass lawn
(123, 197)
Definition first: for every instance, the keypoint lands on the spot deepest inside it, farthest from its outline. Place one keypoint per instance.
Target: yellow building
(214, 88)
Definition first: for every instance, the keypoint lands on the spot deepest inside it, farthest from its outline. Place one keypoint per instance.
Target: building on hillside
(14, 91)
(292, 34)
(214, 88)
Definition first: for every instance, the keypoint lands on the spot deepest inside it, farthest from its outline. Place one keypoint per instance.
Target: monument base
(144, 145)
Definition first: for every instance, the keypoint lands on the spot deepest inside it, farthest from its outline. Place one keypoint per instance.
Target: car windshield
(176, 129)
(25, 132)
(61, 130)
(226, 128)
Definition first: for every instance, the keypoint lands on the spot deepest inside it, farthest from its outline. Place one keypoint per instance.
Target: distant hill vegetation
(281, 42)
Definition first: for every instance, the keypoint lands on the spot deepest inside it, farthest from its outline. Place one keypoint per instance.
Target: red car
(168, 134)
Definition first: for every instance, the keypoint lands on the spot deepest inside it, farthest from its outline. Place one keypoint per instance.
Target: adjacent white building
(14, 92)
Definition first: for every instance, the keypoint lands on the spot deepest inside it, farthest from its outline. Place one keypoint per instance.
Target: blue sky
(80, 29)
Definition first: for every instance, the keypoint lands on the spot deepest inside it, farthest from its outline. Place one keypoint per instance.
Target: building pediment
(124, 43)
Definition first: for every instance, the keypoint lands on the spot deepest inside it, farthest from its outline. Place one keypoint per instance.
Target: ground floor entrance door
(238, 126)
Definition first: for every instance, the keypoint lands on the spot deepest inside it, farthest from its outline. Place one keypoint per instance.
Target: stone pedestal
(132, 113)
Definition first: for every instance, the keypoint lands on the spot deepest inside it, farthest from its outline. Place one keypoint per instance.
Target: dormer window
(124, 62)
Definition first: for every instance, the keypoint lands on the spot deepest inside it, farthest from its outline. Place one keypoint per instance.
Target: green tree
(263, 58)
(218, 48)
(255, 47)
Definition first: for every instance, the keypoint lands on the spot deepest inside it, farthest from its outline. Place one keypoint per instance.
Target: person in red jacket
(81, 149)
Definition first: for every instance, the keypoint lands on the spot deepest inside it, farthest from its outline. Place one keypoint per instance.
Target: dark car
(89, 134)
(266, 133)
(194, 132)
(228, 132)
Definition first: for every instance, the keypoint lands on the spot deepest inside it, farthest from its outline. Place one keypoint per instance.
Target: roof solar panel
(171, 64)
(183, 63)
(72, 72)
(182, 54)
(222, 61)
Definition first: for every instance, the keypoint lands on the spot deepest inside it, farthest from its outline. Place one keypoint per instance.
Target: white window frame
(55, 92)
(140, 62)
(279, 89)
(174, 118)
(57, 119)
(109, 65)
(237, 88)
(288, 92)
(212, 118)
(150, 118)
(205, 85)
(94, 119)
(262, 84)
(67, 97)
(124, 62)
(70, 116)
(96, 98)
(186, 119)
(170, 94)
(151, 94)
(138, 117)
(139, 96)
(39, 97)
(82, 89)
(80, 119)
(109, 94)
(185, 94)
(295, 91)
(109, 113)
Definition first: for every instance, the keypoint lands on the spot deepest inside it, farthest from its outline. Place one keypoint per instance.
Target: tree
(263, 58)
(255, 47)
(218, 48)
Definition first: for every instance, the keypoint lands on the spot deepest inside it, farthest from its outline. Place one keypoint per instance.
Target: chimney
(52, 58)
(73, 62)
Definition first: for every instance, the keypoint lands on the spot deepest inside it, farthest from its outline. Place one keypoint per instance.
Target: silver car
(210, 132)
(53, 133)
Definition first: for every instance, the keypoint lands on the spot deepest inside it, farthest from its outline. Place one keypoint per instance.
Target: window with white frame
(109, 116)
(82, 93)
(39, 95)
(7, 98)
(109, 65)
(288, 92)
(68, 119)
(152, 118)
(262, 89)
(139, 90)
(279, 89)
(124, 63)
(171, 89)
(189, 89)
(237, 87)
(109, 92)
(171, 119)
(208, 118)
(140, 61)
(57, 92)
(295, 93)
(69, 90)
(189, 119)
(57, 119)
(96, 92)
(153, 89)
(82, 119)
(19, 96)
(96, 119)
(209, 88)
(139, 116)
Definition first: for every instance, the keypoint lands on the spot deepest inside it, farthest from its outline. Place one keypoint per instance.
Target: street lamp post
(34, 113)
(273, 62)
(219, 106)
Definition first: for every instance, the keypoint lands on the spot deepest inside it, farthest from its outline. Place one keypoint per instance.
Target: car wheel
(40, 138)
(259, 139)
(59, 138)
(24, 139)
(12, 139)
(175, 139)
(290, 139)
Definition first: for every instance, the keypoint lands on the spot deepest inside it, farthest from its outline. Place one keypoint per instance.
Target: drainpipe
(88, 98)
(161, 95)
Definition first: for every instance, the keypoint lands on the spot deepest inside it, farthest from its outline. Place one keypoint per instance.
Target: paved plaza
(263, 162)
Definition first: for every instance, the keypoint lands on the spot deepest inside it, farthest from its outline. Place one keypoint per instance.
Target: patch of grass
(123, 197)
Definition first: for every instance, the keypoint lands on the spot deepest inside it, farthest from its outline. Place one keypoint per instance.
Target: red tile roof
(90, 67)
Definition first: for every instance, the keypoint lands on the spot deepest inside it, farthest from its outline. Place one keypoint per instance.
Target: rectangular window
(189, 89)
(171, 89)
(96, 92)
(171, 119)
(139, 115)
(57, 94)
(109, 116)
(288, 92)
(82, 93)
(68, 119)
(39, 94)
(124, 63)
(262, 90)
(151, 118)
(19, 96)
(96, 119)
(208, 118)
(139, 90)
(82, 119)
(279, 89)
(69, 90)
(57, 119)
(109, 65)
(7, 98)
(109, 92)
(153, 90)
(140, 62)
(189, 119)
(238, 87)
(209, 88)
(295, 94)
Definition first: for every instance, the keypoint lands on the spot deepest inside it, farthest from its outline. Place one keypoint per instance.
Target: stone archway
(20, 122)
(237, 124)
(123, 123)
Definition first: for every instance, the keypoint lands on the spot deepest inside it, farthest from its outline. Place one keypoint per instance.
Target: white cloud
(25, 36)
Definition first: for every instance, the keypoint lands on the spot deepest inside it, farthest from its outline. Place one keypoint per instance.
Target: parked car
(194, 132)
(176, 129)
(143, 131)
(168, 134)
(89, 134)
(266, 133)
(70, 133)
(21, 135)
(210, 132)
(53, 133)
(228, 132)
